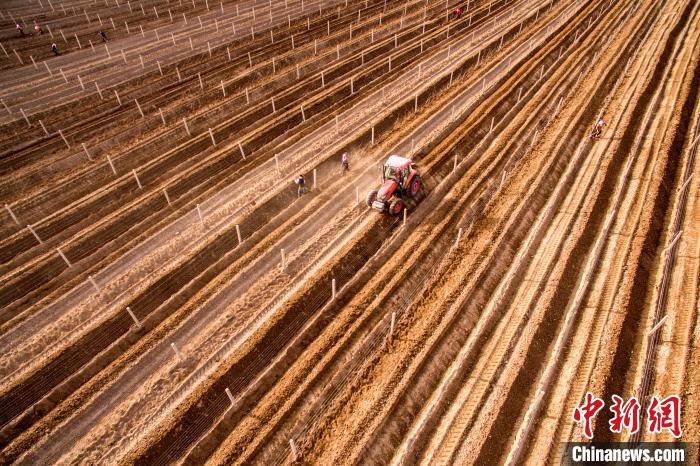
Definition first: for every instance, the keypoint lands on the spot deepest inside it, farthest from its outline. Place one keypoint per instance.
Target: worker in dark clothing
(301, 182)
(103, 36)
(21, 31)
(54, 49)
(345, 163)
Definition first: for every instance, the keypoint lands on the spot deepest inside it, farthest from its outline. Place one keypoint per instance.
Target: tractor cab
(400, 179)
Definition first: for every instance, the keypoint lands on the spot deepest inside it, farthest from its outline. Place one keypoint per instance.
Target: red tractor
(400, 180)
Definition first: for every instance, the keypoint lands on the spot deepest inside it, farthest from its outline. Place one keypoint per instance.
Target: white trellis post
(658, 325)
(60, 132)
(230, 397)
(139, 107)
(63, 256)
(178, 354)
(93, 283)
(199, 213)
(136, 177)
(46, 131)
(673, 242)
(111, 165)
(12, 214)
(25, 117)
(33, 232)
(86, 151)
(293, 447)
(138, 324)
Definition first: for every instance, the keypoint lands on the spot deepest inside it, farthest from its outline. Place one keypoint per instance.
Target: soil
(536, 264)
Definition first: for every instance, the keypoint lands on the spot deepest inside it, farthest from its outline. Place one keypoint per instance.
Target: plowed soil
(168, 294)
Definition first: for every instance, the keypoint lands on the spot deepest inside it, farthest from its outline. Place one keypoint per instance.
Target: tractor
(400, 180)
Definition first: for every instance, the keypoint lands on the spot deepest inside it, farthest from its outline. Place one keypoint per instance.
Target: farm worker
(38, 29)
(103, 36)
(301, 182)
(54, 49)
(21, 31)
(346, 163)
(457, 13)
(598, 127)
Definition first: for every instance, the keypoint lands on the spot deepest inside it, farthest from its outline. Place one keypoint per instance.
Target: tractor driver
(389, 172)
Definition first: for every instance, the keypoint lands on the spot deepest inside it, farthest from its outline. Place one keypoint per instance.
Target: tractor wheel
(371, 196)
(395, 207)
(414, 186)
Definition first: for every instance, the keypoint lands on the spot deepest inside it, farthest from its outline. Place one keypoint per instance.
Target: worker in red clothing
(457, 13)
(38, 29)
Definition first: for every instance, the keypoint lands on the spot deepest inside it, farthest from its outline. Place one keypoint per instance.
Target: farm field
(169, 294)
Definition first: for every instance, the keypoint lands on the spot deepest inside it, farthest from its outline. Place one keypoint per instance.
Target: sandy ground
(531, 272)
